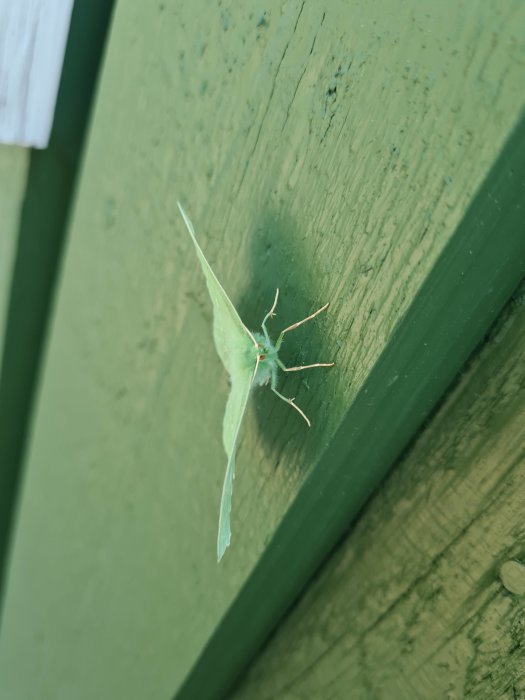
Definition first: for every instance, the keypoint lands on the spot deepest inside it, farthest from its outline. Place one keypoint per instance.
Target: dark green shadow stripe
(43, 221)
(469, 285)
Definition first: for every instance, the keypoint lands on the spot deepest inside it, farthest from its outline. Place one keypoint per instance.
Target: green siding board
(469, 284)
(40, 232)
(416, 602)
(330, 149)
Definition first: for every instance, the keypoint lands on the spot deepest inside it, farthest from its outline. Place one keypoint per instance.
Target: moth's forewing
(236, 347)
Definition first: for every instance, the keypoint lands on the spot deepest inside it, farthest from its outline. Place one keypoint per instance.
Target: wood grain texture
(424, 599)
(13, 170)
(33, 36)
(327, 149)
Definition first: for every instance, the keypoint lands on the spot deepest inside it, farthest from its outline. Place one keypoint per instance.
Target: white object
(33, 36)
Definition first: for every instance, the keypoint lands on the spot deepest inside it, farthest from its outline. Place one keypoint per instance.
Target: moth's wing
(232, 339)
(235, 409)
(235, 345)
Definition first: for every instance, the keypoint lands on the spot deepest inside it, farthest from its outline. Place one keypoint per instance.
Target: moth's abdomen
(265, 370)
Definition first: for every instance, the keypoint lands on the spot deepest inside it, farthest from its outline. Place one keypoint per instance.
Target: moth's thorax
(267, 354)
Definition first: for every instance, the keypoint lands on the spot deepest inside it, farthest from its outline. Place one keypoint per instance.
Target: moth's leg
(274, 377)
(299, 323)
(270, 314)
(292, 404)
(296, 369)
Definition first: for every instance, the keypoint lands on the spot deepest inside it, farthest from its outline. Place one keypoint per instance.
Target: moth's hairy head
(267, 354)
(265, 349)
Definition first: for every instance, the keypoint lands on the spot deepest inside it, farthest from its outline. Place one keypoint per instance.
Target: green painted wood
(425, 597)
(468, 285)
(273, 131)
(13, 171)
(40, 232)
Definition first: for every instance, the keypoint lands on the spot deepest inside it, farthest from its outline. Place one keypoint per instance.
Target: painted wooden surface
(33, 36)
(13, 170)
(425, 598)
(273, 131)
(41, 225)
(452, 312)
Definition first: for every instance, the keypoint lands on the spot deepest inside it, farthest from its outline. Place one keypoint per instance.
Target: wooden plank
(40, 232)
(33, 37)
(424, 599)
(272, 131)
(476, 272)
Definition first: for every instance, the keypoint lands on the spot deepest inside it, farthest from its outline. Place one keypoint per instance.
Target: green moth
(251, 359)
